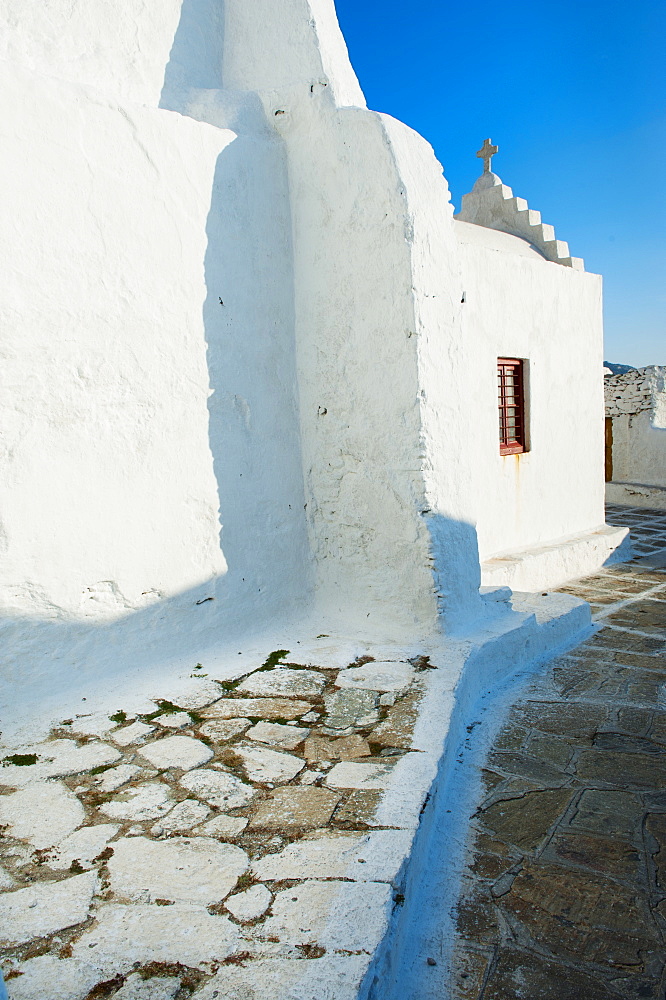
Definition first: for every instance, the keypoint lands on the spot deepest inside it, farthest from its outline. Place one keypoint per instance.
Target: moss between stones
(274, 658)
(20, 760)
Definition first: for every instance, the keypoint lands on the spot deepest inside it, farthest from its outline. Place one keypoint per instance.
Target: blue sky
(574, 95)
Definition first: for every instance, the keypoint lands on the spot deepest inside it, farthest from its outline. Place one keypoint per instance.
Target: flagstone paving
(241, 843)
(211, 847)
(564, 893)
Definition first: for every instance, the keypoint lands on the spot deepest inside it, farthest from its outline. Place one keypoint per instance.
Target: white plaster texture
(125, 217)
(255, 245)
(374, 857)
(338, 916)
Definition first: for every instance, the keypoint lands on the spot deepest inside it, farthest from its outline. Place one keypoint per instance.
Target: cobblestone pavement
(564, 893)
(210, 847)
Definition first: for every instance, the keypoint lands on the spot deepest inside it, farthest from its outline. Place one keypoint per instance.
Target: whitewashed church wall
(377, 319)
(249, 313)
(120, 49)
(138, 412)
(447, 374)
(521, 306)
(358, 376)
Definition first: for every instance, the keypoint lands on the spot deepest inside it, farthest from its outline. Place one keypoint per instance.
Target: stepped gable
(492, 204)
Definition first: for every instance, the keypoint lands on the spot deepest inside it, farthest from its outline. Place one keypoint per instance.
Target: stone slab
(219, 788)
(223, 730)
(340, 916)
(311, 717)
(133, 733)
(148, 801)
(157, 988)
(82, 846)
(350, 708)
(296, 807)
(263, 765)
(333, 977)
(283, 681)
(373, 857)
(181, 752)
(184, 870)
(176, 720)
(58, 759)
(201, 693)
(55, 978)
(257, 708)
(378, 676)
(45, 908)
(183, 817)
(44, 813)
(115, 778)
(97, 724)
(273, 734)
(360, 808)
(224, 827)
(7, 881)
(398, 728)
(319, 748)
(124, 935)
(251, 904)
(351, 774)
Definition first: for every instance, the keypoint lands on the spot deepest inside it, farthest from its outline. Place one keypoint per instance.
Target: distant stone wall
(636, 403)
(634, 391)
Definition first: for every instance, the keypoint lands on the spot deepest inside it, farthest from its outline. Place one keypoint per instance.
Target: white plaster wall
(447, 374)
(639, 449)
(138, 413)
(358, 372)
(520, 305)
(303, 268)
(377, 285)
(117, 48)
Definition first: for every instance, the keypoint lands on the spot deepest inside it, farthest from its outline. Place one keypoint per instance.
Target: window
(511, 399)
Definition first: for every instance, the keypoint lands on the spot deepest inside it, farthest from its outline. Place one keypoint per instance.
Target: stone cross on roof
(486, 154)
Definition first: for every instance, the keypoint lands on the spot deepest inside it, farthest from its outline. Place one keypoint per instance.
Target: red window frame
(511, 402)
